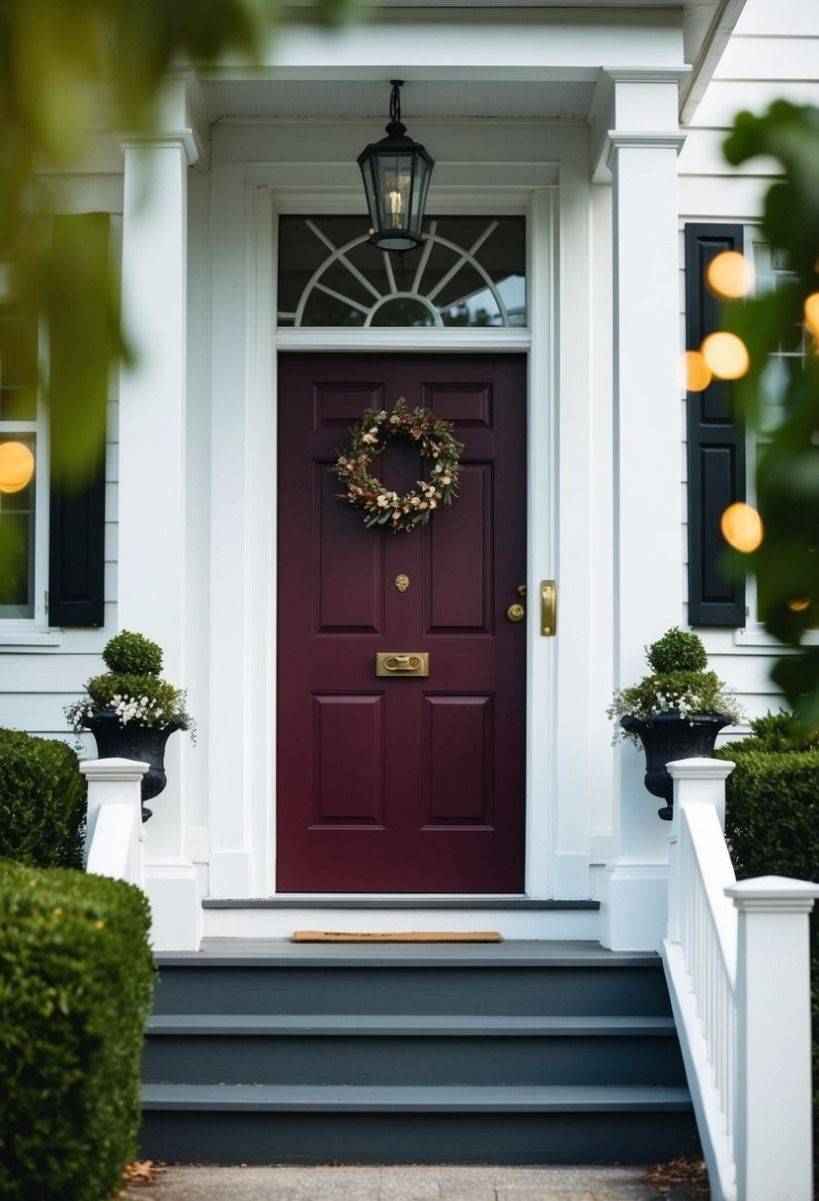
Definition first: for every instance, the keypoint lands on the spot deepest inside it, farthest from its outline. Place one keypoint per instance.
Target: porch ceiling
(366, 99)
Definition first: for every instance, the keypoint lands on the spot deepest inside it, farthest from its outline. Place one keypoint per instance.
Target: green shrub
(42, 801)
(76, 977)
(778, 732)
(132, 689)
(772, 820)
(160, 699)
(133, 654)
(676, 651)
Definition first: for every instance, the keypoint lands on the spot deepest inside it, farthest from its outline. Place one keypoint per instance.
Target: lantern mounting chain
(395, 103)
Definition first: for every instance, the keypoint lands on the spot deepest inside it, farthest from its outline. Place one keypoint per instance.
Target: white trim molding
(243, 457)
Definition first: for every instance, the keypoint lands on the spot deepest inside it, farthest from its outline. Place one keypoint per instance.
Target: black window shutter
(76, 583)
(716, 445)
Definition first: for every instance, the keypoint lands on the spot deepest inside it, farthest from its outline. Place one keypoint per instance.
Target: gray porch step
(408, 1099)
(412, 1049)
(261, 1051)
(509, 978)
(488, 1125)
(385, 904)
(333, 1025)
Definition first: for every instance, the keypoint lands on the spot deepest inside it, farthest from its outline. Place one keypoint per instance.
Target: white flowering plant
(679, 686)
(136, 696)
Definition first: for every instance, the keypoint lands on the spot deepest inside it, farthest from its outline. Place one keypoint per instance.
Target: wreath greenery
(437, 444)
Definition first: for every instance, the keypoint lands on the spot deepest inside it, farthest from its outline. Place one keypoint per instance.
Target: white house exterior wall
(42, 672)
(773, 52)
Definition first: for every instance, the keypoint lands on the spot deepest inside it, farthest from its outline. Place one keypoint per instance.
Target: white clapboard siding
(784, 18)
(774, 53)
(37, 682)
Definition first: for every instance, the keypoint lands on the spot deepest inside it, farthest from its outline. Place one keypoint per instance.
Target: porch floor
(511, 953)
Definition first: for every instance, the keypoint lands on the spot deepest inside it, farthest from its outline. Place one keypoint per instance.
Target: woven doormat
(402, 936)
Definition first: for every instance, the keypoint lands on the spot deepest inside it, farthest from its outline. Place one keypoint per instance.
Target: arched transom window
(470, 271)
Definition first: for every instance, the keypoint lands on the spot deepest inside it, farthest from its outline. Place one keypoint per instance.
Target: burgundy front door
(402, 784)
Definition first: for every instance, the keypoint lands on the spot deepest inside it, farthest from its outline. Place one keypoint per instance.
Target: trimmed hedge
(76, 979)
(42, 801)
(772, 820)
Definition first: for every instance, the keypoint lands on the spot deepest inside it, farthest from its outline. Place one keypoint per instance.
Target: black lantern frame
(396, 173)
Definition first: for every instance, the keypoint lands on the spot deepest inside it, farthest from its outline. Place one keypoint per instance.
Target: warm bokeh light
(799, 604)
(695, 374)
(16, 466)
(812, 313)
(726, 355)
(742, 527)
(730, 276)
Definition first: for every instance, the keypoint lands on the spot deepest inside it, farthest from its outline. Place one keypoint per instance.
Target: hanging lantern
(396, 174)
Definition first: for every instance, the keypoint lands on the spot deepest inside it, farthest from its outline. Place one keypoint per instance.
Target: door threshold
(339, 901)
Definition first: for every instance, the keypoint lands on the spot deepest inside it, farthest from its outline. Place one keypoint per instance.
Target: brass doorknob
(516, 612)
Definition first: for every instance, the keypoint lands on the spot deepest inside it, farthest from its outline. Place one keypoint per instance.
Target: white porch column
(152, 466)
(642, 145)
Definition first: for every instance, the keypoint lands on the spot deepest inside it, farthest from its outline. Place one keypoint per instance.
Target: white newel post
(643, 142)
(696, 781)
(773, 1144)
(152, 466)
(114, 830)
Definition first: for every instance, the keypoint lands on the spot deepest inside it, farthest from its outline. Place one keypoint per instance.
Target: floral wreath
(436, 441)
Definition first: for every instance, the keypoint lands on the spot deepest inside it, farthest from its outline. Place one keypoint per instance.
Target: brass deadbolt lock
(516, 612)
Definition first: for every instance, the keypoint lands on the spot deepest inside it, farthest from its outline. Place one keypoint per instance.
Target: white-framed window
(771, 271)
(24, 479)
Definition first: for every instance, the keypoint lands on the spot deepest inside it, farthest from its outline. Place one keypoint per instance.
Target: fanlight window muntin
(468, 272)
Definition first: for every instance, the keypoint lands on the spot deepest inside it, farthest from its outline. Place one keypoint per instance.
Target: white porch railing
(736, 958)
(114, 838)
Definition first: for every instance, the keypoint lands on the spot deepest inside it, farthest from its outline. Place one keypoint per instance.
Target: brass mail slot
(402, 663)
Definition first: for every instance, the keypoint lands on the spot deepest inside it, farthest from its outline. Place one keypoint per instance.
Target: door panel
(405, 784)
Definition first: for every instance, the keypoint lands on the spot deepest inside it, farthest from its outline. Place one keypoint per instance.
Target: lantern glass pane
(394, 176)
(350, 281)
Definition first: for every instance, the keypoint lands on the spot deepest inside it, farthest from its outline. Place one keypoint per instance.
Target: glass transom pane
(469, 271)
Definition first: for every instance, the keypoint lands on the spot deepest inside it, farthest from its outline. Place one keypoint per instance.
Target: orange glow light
(16, 466)
(726, 355)
(694, 373)
(742, 527)
(812, 313)
(799, 604)
(730, 276)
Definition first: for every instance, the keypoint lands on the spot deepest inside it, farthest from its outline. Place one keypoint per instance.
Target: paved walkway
(403, 1184)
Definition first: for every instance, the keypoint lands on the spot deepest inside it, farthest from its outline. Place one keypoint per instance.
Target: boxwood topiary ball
(133, 654)
(677, 650)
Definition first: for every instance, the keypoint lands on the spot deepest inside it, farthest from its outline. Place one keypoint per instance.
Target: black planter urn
(143, 743)
(667, 737)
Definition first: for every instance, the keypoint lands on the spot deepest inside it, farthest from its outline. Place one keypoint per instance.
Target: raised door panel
(348, 760)
(349, 591)
(458, 753)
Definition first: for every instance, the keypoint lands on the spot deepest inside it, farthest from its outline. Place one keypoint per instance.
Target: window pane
(18, 366)
(17, 498)
(470, 271)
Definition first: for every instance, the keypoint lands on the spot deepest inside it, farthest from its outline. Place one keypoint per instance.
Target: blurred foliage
(67, 68)
(786, 565)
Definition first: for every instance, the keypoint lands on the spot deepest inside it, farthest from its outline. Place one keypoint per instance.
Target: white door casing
(244, 343)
